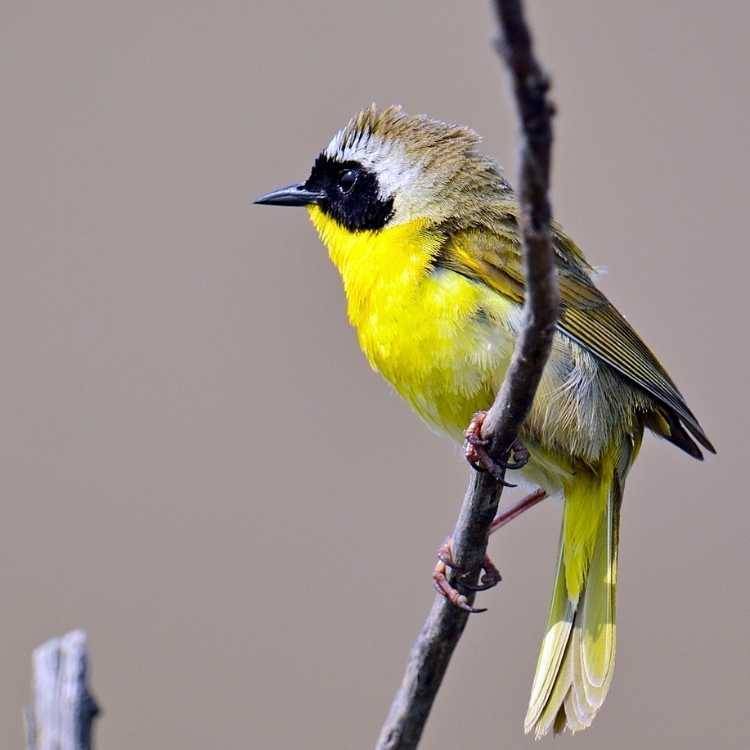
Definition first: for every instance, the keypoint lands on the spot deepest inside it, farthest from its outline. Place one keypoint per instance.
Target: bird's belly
(446, 351)
(449, 370)
(445, 344)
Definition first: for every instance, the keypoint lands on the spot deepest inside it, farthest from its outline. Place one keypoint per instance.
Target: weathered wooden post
(63, 710)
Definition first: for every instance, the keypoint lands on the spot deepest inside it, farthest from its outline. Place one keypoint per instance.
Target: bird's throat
(379, 269)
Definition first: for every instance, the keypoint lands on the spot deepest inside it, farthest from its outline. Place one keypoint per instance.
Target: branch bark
(63, 709)
(445, 623)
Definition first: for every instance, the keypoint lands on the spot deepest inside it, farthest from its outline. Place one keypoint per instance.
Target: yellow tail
(577, 657)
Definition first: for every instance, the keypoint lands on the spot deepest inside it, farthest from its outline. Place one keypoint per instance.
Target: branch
(63, 709)
(445, 623)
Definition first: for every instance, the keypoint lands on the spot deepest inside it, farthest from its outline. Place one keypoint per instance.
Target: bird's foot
(476, 451)
(490, 574)
(490, 577)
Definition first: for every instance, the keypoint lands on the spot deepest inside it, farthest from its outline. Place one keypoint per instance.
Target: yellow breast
(442, 341)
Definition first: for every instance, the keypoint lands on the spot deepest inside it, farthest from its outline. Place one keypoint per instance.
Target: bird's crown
(385, 166)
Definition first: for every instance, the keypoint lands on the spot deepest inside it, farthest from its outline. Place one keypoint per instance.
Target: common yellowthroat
(424, 231)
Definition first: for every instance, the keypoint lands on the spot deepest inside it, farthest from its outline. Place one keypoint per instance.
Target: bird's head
(386, 168)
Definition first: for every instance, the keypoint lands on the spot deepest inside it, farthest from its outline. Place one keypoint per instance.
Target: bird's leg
(477, 455)
(503, 519)
(491, 575)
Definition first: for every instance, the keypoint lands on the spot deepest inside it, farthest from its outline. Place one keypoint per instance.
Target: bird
(424, 231)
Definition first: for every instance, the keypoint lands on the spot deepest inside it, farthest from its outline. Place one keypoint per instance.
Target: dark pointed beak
(291, 195)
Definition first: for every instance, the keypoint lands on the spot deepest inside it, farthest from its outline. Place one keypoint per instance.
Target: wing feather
(492, 256)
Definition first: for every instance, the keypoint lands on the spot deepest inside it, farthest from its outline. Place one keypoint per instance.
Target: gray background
(196, 463)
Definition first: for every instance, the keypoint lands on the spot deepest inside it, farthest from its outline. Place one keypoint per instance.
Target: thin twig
(445, 623)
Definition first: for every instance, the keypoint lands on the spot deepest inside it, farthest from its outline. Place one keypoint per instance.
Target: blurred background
(198, 466)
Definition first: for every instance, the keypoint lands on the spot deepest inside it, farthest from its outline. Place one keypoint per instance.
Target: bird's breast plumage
(444, 342)
(441, 340)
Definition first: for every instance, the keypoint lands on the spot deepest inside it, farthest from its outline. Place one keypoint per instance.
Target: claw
(443, 587)
(520, 453)
(490, 577)
(480, 460)
(477, 587)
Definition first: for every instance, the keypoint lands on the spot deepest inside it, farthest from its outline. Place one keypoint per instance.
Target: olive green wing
(493, 257)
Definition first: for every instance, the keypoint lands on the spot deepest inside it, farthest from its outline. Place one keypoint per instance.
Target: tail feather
(576, 661)
(552, 653)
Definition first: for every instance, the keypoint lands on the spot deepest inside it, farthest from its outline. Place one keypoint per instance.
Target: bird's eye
(347, 179)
